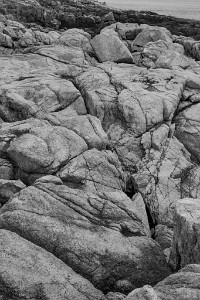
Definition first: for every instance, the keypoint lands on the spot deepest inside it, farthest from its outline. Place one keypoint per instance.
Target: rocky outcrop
(182, 285)
(91, 14)
(159, 179)
(28, 10)
(33, 273)
(85, 230)
(108, 47)
(94, 158)
(185, 246)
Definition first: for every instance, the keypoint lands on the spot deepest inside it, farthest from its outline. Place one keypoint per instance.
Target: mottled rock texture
(99, 144)
(30, 272)
(182, 285)
(185, 245)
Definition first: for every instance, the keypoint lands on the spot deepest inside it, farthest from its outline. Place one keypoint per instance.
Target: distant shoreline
(170, 10)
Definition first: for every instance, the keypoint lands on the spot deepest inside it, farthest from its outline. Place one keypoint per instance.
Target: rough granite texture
(99, 154)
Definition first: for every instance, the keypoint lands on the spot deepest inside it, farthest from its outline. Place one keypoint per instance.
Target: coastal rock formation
(99, 144)
(159, 179)
(108, 47)
(185, 245)
(86, 230)
(182, 285)
(33, 273)
(90, 14)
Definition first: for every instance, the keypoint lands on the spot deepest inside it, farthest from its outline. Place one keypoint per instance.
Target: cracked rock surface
(182, 285)
(99, 163)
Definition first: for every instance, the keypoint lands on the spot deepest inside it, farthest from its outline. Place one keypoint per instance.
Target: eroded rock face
(96, 170)
(38, 147)
(33, 273)
(104, 152)
(187, 128)
(85, 230)
(182, 285)
(185, 245)
(159, 179)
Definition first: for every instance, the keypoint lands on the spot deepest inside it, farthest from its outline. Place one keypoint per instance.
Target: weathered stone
(30, 272)
(115, 296)
(5, 40)
(182, 285)
(159, 179)
(85, 230)
(88, 127)
(24, 99)
(127, 97)
(173, 59)
(185, 245)
(152, 34)
(163, 235)
(190, 184)
(54, 35)
(38, 147)
(144, 293)
(76, 38)
(108, 47)
(139, 204)
(187, 129)
(6, 169)
(96, 170)
(82, 215)
(70, 55)
(8, 188)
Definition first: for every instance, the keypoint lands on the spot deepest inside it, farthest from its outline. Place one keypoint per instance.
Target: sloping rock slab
(184, 285)
(29, 272)
(100, 237)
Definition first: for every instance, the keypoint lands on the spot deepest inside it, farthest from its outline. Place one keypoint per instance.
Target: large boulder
(127, 31)
(152, 34)
(38, 147)
(108, 47)
(186, 239)
(99, 236)
(76, 38)
(161, 54)
(32, 96)
(29, 272)
(96, 170)
(182, 285)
